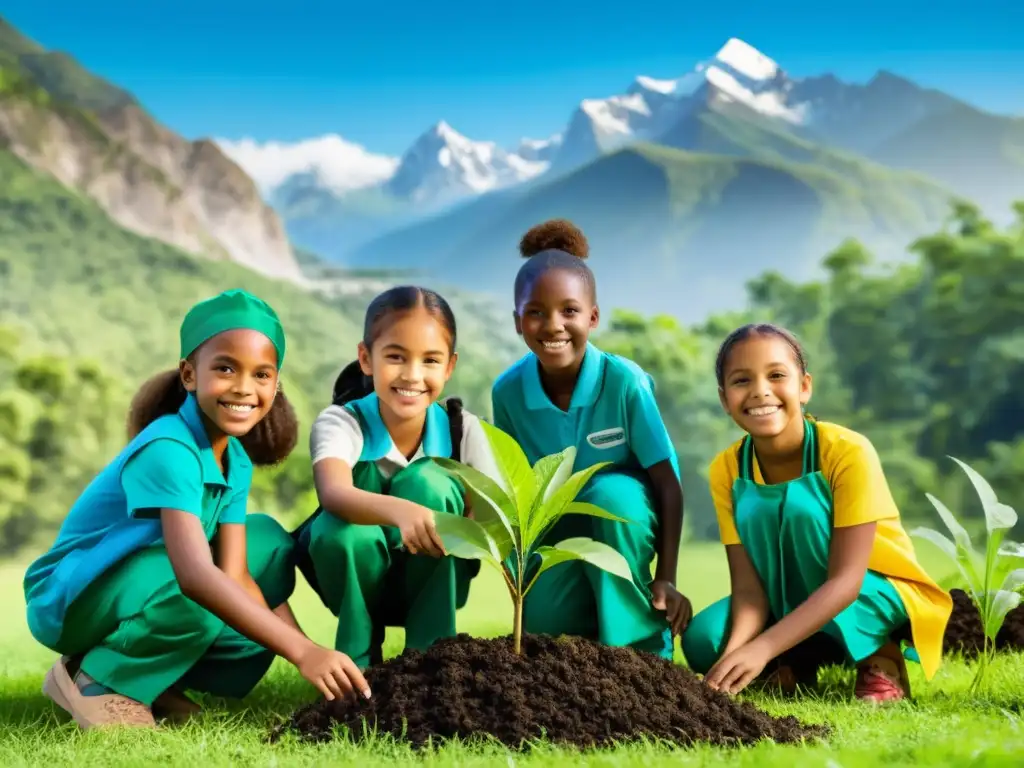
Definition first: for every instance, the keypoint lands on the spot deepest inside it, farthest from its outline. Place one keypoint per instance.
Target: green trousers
(369, 582)
(791, 554)
(576, 598)
(139, 635)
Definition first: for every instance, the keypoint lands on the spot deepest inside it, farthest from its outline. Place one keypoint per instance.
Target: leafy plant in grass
(511, 517)
(991, 581)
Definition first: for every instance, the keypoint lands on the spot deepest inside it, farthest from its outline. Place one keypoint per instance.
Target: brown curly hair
(553, 244)
(555, 235)
(268, 443)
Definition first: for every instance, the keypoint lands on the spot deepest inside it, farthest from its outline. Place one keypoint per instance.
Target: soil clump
(964, 632)
(569, 691)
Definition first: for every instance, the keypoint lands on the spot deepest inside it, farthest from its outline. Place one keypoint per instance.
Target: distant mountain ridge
(96, 138)
(738, 103)
(863, 118)
(673, 231)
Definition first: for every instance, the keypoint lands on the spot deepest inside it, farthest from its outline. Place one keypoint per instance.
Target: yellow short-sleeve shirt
(860, 495)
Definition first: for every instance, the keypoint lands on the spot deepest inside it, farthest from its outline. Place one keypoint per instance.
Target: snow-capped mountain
(540, 150)
(738, 73)
(443, 165)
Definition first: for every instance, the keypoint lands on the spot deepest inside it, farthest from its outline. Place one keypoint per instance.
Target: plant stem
(517, 627)
(983, 660)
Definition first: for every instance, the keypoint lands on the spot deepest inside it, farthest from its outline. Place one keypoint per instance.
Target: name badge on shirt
(607, 438)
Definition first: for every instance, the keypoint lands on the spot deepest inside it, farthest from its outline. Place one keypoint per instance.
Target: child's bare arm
(230, 556)
(749, 606)
(668, 503)
(204, 582)
(848, 563)
(338, 496)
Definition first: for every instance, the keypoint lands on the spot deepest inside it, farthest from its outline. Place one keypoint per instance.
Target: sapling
(510, 517)
(993, 583)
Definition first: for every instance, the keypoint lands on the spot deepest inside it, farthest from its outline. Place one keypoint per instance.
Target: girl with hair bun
(565, 391)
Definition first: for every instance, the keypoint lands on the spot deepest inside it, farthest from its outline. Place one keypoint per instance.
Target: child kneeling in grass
(371, 551)
(567, 392)
(816, 550)
(159, 581)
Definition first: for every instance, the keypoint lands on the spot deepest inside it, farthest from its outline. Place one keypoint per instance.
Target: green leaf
(552, 472)
(961, 559)
(1000, 603)
(465, 538)
(520, 484)
(491, 507)
(1013, 580)
(960, 534)
(997, 516)
(586, 508)
(587, 550)
(598, 554)
(553, 509)
(927, 534)
(544, 472)
(1012, 549)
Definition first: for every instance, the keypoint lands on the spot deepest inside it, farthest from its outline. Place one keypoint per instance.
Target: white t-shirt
(338, 434)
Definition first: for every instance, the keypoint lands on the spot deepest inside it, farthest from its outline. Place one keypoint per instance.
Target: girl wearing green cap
(159, 581)
(371, 550)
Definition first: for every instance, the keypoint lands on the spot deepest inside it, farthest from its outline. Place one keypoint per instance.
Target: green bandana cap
(230, 311)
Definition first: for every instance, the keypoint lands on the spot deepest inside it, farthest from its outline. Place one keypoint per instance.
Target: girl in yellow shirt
(822, 570)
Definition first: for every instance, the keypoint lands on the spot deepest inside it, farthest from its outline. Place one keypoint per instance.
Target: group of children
(160, 582)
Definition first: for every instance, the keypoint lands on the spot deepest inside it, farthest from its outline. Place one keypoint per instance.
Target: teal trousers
(369, 582)
(138, 635)
(576, 598)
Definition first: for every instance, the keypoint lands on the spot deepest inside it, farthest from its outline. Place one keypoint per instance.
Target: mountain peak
(746, 60)
(441, 134)
(643, 83)
(444, 129)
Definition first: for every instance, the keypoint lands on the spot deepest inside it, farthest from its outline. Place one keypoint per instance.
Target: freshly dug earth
(572, 692)
(964, 632)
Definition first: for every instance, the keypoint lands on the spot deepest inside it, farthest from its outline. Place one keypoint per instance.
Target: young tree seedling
(993, 585)
(510, 518)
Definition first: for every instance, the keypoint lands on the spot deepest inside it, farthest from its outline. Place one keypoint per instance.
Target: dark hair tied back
(553, 244)
(352, 383)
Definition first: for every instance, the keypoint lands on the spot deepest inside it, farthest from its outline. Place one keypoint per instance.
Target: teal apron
(786, 530)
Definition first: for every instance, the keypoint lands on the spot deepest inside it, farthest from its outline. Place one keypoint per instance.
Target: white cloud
(340, 164)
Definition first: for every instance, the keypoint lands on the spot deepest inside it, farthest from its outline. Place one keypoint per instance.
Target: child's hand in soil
(678, 611)
(735, 671)
(334, 673)
(419, 535)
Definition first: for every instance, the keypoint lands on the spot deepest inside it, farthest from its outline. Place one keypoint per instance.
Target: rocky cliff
(146, 177)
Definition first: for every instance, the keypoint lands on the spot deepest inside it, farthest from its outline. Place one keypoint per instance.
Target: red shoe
(877, 686)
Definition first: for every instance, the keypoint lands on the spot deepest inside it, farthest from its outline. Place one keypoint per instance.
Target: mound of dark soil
(964, 632)
(570, 691)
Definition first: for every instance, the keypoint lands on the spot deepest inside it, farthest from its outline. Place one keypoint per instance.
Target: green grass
(941, 727)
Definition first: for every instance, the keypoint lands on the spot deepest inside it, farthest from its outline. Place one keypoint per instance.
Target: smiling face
(234, 378)
(763, 387)
(410, 362)
(555, 318)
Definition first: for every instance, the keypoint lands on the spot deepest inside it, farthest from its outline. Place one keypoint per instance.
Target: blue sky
(383, 72)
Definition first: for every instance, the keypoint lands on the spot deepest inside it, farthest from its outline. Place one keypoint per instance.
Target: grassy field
(941, 727)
